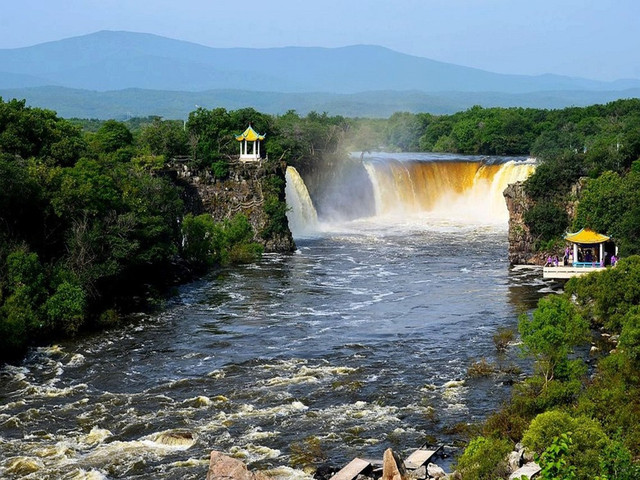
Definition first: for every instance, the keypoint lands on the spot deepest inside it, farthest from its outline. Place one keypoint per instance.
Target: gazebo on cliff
(246, 137)
(590, 251)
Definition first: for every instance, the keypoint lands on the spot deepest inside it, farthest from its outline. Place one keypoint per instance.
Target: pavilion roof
(586, 236)
(249, 135)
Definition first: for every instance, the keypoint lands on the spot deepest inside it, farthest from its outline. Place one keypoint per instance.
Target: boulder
(529, 470)
(515, 460)
(392, 466)
(435, 471)
(419, 473)
(222, 467)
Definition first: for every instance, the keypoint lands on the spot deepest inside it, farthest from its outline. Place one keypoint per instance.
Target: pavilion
(588, 248)
(253, 137)
(590, 251)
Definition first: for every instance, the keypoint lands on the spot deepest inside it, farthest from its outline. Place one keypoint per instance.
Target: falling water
(458, 189)
(302, 216)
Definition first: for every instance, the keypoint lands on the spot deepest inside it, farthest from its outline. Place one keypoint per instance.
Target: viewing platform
(562, 273)
(590, 252)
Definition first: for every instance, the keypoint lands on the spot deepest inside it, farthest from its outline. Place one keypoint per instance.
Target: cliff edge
(255, 189)
(521, 242)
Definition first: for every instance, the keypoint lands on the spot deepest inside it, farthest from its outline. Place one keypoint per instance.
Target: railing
(586, 264)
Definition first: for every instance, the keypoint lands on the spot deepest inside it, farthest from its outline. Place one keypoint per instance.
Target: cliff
(255, 189)
(522, 244)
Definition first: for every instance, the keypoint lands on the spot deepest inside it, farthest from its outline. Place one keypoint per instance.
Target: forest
(89, 221)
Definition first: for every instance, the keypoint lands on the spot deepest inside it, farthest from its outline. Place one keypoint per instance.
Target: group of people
(586, 257)
(552, 261)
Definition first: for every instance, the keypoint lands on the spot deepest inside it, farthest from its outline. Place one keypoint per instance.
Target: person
(613, 260)
(549, 262)
(555, 260)
(565, 259)
(588, 256)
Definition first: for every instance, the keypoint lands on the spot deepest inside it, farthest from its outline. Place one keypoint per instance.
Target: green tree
(550, 334)
(112, 136)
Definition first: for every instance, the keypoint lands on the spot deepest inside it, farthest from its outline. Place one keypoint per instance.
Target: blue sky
(596, 39)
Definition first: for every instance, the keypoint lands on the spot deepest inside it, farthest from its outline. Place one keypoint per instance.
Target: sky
(595, 39)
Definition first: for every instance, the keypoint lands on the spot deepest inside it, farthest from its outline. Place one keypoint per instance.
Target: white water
(413, 189)
(455, 191)
(302, 216)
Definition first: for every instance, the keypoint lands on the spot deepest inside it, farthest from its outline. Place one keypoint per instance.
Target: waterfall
(302, 216)
(456, 190)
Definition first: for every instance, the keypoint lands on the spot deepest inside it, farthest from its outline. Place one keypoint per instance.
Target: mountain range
(148, 74)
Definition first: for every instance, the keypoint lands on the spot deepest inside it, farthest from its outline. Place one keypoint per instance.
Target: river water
(359, 341)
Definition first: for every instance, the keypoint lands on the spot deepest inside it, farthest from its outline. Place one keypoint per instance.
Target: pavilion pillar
(575, 253)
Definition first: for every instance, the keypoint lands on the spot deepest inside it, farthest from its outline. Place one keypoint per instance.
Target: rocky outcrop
(392, 466)
(434, 471)
(521, 242)
(528, 470)
(247, 189)
(222, 467)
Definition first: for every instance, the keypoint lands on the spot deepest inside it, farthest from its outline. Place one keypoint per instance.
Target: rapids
(359, 341)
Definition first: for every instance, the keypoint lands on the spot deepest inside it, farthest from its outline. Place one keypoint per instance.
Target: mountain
(109, 60)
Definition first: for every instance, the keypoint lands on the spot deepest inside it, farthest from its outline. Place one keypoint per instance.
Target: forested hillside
(92, 227)
(90, 222)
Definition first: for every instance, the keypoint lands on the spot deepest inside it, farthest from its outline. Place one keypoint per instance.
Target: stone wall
(242, 191)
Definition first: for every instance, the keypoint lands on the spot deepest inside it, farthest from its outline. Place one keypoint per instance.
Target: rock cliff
(522, 244)
(255, 189)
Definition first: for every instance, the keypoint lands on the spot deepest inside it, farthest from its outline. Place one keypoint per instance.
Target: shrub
(588, 439)
(485, 459)
(502, 338)
(245, 253)
(481, 368)
(616, 463)
(200, 234)
(13, 332)
(220, 169)
(550, 334)
(66, 307)
(553, 460)
(506, 423)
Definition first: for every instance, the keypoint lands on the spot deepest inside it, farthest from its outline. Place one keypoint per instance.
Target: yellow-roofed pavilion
(591, 251)
(246, 137)
(588, 246)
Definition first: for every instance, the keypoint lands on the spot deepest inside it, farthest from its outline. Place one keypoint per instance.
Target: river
(358, 341)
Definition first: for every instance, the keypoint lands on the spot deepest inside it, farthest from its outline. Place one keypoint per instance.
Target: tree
(165, 137)
(112, 136)
(550, 334)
